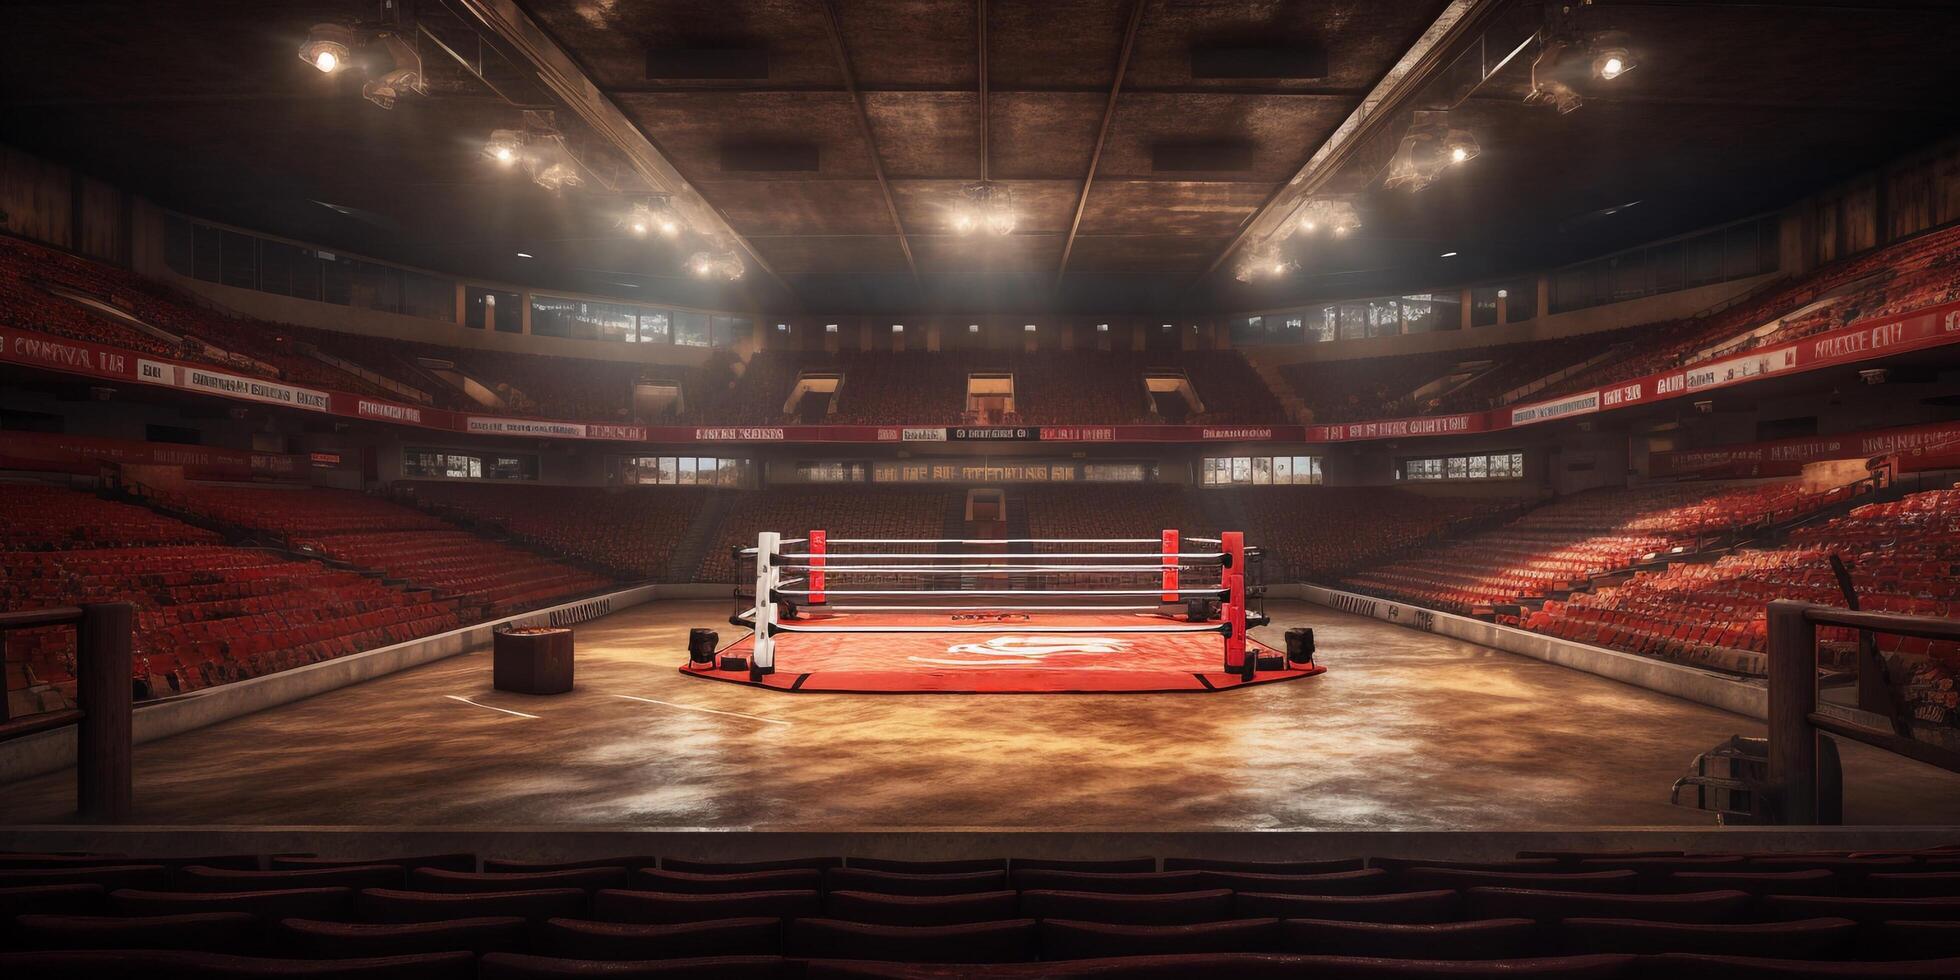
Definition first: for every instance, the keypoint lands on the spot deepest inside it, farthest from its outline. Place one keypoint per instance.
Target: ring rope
(994, 608)
(1213, 591)
(1203, 555)
(991, 569)
(789, 628)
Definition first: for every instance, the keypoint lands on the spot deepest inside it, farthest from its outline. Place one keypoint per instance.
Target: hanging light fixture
(656, 214)
(1263, 261)
(985, 206)
(505, 146)
(1611, 55)
(329, 47)
(1331, 215)
(1431, 147)
(553, 167)
(718, 262)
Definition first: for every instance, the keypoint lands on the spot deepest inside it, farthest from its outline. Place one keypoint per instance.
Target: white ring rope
(1206, 555)
(1212, 591)
(990, 541)
(998, 628)
(993, 569)
(1003, 608)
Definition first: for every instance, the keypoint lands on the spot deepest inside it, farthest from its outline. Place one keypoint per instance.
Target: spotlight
(1336, 216)
(1611, 56)
(329, 47)
(719, 263)
(505, 146)
(1263, 260)
(1430, 147)
(403, 75)
(654, 214)
(1553, 75)
(986, 206)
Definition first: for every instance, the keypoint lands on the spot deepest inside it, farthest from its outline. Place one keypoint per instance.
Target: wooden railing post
(103, 738)
(1792, 700)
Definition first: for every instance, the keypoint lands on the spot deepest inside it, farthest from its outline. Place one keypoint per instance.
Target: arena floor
(1405, 731)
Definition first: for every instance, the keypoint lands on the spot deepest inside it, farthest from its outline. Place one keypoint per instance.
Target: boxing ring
(1014, 615)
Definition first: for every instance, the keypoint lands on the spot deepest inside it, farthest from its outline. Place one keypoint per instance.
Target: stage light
(654, 214)
(1611, 56)
(720, 263)
(1503, 294)
(1447, 255)
(1430, 147)
(985, 206)
(1263, 260)
(1336, 216)
(329, 47)
(526, 255)
(506, 146)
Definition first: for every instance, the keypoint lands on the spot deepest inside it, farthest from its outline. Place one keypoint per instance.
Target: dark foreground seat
(339, 940)
(1182, 908)
(211, 932)
(52, 900)
(1243, 966)
(451, 862)
(586, 940)
(1062, 939)
(1332, 866)
(903, 883)
(1551, 906)
(1683, 966)
(198, 878)
(631, 861)
(1481, 939)
(269, 905)
(954, 867)
(1826, 938)
(442, 880)
(1439, 905)
(516, 966)
(1008, 941)
(392, 905)
(151, 964)
(705, 883)
(921, 910)
(612, 905)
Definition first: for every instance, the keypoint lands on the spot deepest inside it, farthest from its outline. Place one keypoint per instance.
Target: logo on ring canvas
(1024, 651)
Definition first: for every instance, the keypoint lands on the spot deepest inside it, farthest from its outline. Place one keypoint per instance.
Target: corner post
(103, 739)
(763, 660)
(1232, 543)
(1792, 700)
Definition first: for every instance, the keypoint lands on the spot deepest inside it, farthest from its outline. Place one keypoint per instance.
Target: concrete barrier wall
(53, 750)
(1688, 683)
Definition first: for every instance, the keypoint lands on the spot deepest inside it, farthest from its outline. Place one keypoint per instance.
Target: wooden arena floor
(1405, 731)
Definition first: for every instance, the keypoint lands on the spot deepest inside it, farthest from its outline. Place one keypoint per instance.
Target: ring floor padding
(999, 663)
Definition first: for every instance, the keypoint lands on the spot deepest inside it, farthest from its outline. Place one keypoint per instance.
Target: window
(1480, 466)
(490, 308)
(691, 329)
(456, 464)
(704, 471)
(655, 327)
(1259, 471)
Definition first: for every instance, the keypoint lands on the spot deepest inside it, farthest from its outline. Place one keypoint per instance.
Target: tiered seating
(23, 264)
(1904, 557)
(1114, 510)
(1561, 915)
(1588, 534)
(399, 541)
(1315, 533)
(205, 613)
(1232, 392)
(843, 511)
(1916, 273)
(1366, 388)
(631, 531)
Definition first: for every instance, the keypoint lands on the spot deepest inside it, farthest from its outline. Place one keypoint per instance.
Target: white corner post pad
(766, 579)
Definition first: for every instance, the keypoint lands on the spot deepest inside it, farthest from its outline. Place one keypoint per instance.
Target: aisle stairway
(685, 560)
(1296, 407)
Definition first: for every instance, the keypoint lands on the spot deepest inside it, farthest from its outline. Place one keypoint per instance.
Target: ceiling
(1734, 108)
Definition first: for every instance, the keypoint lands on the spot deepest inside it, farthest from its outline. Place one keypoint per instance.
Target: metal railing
(102, 719)
(1795, 718)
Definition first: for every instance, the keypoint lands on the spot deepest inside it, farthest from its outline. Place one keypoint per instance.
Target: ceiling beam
(835, 29)
(1426, 59)
(564, 78)
(1102, 135)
